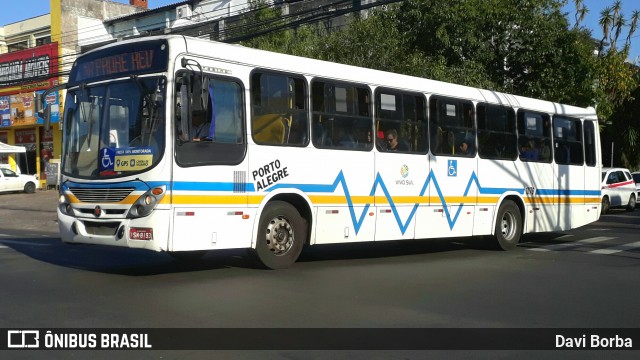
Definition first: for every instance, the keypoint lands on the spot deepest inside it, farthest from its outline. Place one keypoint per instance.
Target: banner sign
(29, 69)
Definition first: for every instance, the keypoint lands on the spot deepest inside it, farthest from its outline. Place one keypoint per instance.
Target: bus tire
(508, 225)
(281, 235)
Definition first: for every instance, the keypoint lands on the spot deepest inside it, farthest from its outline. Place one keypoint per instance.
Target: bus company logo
(97, 211)
(404, 171)
(23, 339)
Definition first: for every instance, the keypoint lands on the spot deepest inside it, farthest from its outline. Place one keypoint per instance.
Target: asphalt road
(584, 278)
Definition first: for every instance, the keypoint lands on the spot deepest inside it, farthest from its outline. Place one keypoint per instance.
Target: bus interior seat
(271, 128)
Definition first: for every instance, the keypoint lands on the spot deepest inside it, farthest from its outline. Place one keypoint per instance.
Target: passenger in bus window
(545, 150)
(393, 143)
(200, 125)
(529, 151)
(466, 147)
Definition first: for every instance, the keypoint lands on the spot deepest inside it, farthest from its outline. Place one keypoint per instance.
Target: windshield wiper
(151, 98)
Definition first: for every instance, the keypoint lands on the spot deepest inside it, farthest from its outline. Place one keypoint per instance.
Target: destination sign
(119, 61)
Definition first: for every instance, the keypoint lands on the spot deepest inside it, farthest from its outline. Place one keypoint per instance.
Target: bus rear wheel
(508, 225)
(281, 235)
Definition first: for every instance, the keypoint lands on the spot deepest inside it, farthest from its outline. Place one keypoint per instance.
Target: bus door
(453, 198)
(402, 166)
(592, 176)
(537, 172)
(453, 189)
(338, 171)
(210, 179)
(497, 165)
(568, 154)
(400, 190)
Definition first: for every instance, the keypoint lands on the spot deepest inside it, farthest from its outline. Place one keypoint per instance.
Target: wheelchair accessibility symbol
(106, 161)
(452, 169)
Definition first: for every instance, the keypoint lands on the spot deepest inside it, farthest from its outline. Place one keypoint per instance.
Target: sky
(13, 11)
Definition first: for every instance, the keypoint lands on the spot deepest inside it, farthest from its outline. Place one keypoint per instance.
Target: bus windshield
(114, 129)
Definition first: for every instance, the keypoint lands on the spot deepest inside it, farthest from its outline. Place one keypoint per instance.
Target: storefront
(23, 74)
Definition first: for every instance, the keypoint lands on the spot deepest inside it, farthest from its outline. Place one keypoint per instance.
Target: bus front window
(114, 129)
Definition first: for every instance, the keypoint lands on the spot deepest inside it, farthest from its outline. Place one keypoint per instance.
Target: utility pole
(612, 154)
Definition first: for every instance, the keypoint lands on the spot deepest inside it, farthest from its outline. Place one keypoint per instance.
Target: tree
(521, 47)
(617, 83)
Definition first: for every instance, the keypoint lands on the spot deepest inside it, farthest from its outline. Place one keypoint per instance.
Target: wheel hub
(279, 235)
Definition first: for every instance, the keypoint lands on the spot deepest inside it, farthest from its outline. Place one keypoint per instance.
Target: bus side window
(455, 120)
(278, 109)
(402, 116)
(567, 138)
(341, 115)
(214, 135)
(534, 136)
(497, 136)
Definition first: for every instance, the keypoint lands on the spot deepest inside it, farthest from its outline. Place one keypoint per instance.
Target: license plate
(141, 234)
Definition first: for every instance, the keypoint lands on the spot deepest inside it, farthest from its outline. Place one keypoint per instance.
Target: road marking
(22, 242)
(617, 249)
(573, 243)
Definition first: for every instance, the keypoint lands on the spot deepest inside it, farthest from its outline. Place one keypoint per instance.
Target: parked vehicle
(618, 189)
(11, 181)
(636, 179)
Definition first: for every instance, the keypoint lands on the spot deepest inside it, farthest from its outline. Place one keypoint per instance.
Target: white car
(618, 189)
(10, 181)
(636, 179)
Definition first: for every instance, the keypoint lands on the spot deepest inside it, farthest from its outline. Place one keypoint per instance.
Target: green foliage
(523, 47)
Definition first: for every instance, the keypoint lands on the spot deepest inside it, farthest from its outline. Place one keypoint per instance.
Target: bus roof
(318, 68)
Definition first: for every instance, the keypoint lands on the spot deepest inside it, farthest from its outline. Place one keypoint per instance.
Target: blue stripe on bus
(551, 192)
(340, 181)
(209, 186)
(358, 220)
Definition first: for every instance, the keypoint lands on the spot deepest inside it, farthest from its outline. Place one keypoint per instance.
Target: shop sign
(29, 69)
(5, 111)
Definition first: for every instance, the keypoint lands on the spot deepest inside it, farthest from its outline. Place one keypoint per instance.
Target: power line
(243, 29)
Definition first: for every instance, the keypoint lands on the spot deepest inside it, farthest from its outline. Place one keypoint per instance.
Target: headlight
(65, 206)
(146, 203)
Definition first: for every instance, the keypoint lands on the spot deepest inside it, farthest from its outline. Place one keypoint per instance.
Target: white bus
(183, 145)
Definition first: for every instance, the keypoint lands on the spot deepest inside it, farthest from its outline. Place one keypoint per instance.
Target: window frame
(234, 154)
(332, 113)
(558, 142)
(421, 148)
(438, 132)
(523, 137)
(514, 125)
(305, 101)
(589, 148)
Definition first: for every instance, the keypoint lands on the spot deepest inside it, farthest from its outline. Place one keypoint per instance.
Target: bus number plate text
(141, 234)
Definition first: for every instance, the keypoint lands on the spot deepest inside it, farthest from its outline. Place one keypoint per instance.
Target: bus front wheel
(508, 225)
(281, 235)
